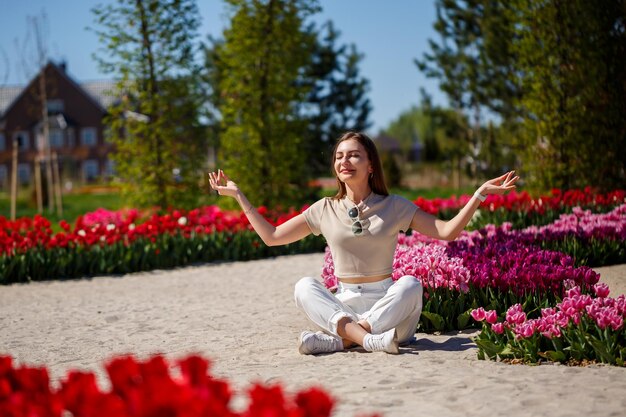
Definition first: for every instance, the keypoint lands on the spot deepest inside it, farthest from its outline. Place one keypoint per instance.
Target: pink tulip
(478, 314)
(525, 329)
(515, 314)
(498, 328)
(601, 290)
(573, 291)
(551, 332)
(491, 316)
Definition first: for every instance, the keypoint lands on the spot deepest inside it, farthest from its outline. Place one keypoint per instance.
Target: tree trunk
(266, 129)
(38, 190)
(155, 114)
(14, 180)
(46, 139)
(57, 183)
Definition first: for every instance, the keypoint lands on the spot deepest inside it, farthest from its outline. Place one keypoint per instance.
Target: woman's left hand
(499, 185)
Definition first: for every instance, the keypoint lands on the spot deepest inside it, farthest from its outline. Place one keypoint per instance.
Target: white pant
(384, 304)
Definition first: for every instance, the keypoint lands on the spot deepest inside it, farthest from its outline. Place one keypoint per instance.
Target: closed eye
(350, 155)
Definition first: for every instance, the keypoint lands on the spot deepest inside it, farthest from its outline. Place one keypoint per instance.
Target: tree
(474, 62)
(337, 98)
(33, 52)
(211, 76)
(335, 94)
(265, 51)
(450, 131)
(416, 125)
(555, 73)
(160, 147)
(572, 65)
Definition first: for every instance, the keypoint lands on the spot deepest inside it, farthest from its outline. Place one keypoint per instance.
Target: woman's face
(351, 162)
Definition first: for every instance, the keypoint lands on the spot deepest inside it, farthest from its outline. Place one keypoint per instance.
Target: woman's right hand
(222, 184)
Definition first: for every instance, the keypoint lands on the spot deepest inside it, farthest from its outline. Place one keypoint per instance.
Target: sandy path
(242, 315)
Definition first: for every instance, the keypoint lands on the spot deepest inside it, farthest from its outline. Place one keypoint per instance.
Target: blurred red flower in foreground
(146, 388)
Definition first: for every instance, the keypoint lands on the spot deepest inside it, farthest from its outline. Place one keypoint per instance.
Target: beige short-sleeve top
(371, 252)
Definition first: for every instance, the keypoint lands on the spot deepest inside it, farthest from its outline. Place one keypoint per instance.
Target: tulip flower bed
(497, 267)
(592, 239)
(113, 243)
(146, 388)
(522, 210)
(106, 242)
(580, 328)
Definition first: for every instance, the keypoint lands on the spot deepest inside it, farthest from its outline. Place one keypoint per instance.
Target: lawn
(74, 205)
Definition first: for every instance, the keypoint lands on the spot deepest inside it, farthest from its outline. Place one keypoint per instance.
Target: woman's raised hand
(499, 185)
(222, 184)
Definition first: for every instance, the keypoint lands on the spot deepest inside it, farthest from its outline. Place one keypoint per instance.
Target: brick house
(76, 132)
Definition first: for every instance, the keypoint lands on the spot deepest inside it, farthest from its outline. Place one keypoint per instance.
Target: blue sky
(391, 34)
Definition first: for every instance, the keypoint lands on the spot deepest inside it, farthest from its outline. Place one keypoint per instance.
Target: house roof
(101, 92)
(8, 95)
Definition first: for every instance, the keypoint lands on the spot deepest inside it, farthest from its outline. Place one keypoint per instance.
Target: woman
(361, 225)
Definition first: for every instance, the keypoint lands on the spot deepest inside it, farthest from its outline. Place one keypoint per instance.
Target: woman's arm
(292, 230)
(431, 226)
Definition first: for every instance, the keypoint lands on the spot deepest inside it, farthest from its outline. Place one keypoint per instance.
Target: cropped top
(371, 252)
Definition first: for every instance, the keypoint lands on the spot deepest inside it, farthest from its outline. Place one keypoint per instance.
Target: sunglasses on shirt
(357, 227)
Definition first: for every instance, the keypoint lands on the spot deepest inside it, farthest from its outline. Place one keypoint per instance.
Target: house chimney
(63, 66)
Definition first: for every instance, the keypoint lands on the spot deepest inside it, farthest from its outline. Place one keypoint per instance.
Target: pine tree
(572, 65)
(337, 100)
(335, 94)
(160, 147)
(265, 51)
(473, 62)
(553, 70)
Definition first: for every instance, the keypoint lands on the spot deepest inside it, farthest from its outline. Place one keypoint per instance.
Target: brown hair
(377, 179)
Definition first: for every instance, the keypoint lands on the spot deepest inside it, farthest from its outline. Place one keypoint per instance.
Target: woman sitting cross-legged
(361, 225)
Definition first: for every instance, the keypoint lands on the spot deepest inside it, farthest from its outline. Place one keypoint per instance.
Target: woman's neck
(358, 194)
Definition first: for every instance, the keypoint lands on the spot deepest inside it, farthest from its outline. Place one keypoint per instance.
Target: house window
(3, 143)
(88, 136)
(23, 173)
(55, 106)
(90, 170)
(4, 177)
(23, 140)
(56, 138)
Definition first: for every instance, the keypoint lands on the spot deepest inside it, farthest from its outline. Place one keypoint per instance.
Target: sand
(242, 316)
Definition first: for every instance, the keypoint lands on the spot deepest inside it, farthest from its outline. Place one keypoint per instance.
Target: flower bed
(580, 328)
(109, 243)
(106, 242)
(523, 210)
(147, 388)
(496, 267)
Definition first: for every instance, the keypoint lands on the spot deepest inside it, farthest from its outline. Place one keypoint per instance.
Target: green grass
(74, 205)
